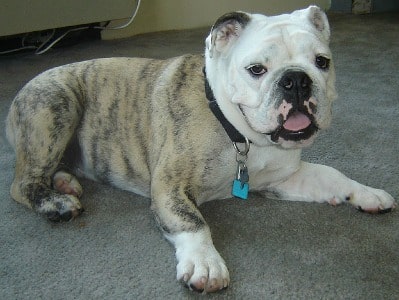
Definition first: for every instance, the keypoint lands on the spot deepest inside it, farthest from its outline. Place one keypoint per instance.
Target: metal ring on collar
(246, 149)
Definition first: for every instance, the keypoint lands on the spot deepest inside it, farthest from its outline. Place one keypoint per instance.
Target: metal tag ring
(246, 149)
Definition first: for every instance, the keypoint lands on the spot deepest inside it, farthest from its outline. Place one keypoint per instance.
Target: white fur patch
(199, 265)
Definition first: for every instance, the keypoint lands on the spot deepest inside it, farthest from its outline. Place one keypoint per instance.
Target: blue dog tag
(240, 184)
(240, 189)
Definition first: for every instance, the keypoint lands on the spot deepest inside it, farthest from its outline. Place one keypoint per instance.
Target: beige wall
(19, 16)
(159, 15)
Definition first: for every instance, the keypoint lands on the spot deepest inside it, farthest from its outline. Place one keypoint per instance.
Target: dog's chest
(266, 166)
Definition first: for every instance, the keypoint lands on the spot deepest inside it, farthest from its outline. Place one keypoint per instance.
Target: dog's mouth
(298, 126)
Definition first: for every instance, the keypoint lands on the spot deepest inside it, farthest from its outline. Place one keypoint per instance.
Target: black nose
(296, 87)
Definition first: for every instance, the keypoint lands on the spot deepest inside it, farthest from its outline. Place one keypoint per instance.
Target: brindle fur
(119, 120)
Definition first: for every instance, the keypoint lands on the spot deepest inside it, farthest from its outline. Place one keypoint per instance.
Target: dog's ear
(318, 19)
(225, 31)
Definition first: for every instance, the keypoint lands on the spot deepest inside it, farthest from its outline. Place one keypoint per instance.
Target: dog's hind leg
(39, 126)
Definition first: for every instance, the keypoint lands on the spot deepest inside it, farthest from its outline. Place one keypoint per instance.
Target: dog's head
(273, 77)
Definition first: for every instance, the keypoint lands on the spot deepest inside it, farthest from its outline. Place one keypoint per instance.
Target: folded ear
(319, 20)
(225, 31)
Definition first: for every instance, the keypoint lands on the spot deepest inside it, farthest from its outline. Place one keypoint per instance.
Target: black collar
(231, 131)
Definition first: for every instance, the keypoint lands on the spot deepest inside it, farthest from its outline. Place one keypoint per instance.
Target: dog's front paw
(203, 271)
(200, 267)
(372, 200)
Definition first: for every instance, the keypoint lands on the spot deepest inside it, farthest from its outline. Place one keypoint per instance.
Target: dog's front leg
(200, 267)
(319, 183)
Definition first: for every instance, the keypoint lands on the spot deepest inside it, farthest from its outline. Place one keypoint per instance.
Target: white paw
(372, 200)
(67, 184)
(200, 267)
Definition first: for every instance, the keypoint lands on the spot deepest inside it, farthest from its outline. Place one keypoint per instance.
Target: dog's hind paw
(59, 208)
(66, 183)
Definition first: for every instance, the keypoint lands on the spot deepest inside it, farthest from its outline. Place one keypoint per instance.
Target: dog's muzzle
(295, 88)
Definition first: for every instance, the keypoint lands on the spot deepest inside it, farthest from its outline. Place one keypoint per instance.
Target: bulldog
(187, 130)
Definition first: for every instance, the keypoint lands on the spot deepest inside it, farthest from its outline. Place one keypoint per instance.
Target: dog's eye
(322, 62)
(256, 70)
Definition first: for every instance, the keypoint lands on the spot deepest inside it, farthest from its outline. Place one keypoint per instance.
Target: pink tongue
(296, 122)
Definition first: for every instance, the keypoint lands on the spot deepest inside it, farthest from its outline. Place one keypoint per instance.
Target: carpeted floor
(274, 249)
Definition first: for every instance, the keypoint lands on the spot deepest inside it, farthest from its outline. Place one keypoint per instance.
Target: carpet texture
(274, 249)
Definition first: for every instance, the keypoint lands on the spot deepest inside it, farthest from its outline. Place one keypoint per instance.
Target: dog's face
(273, 77)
